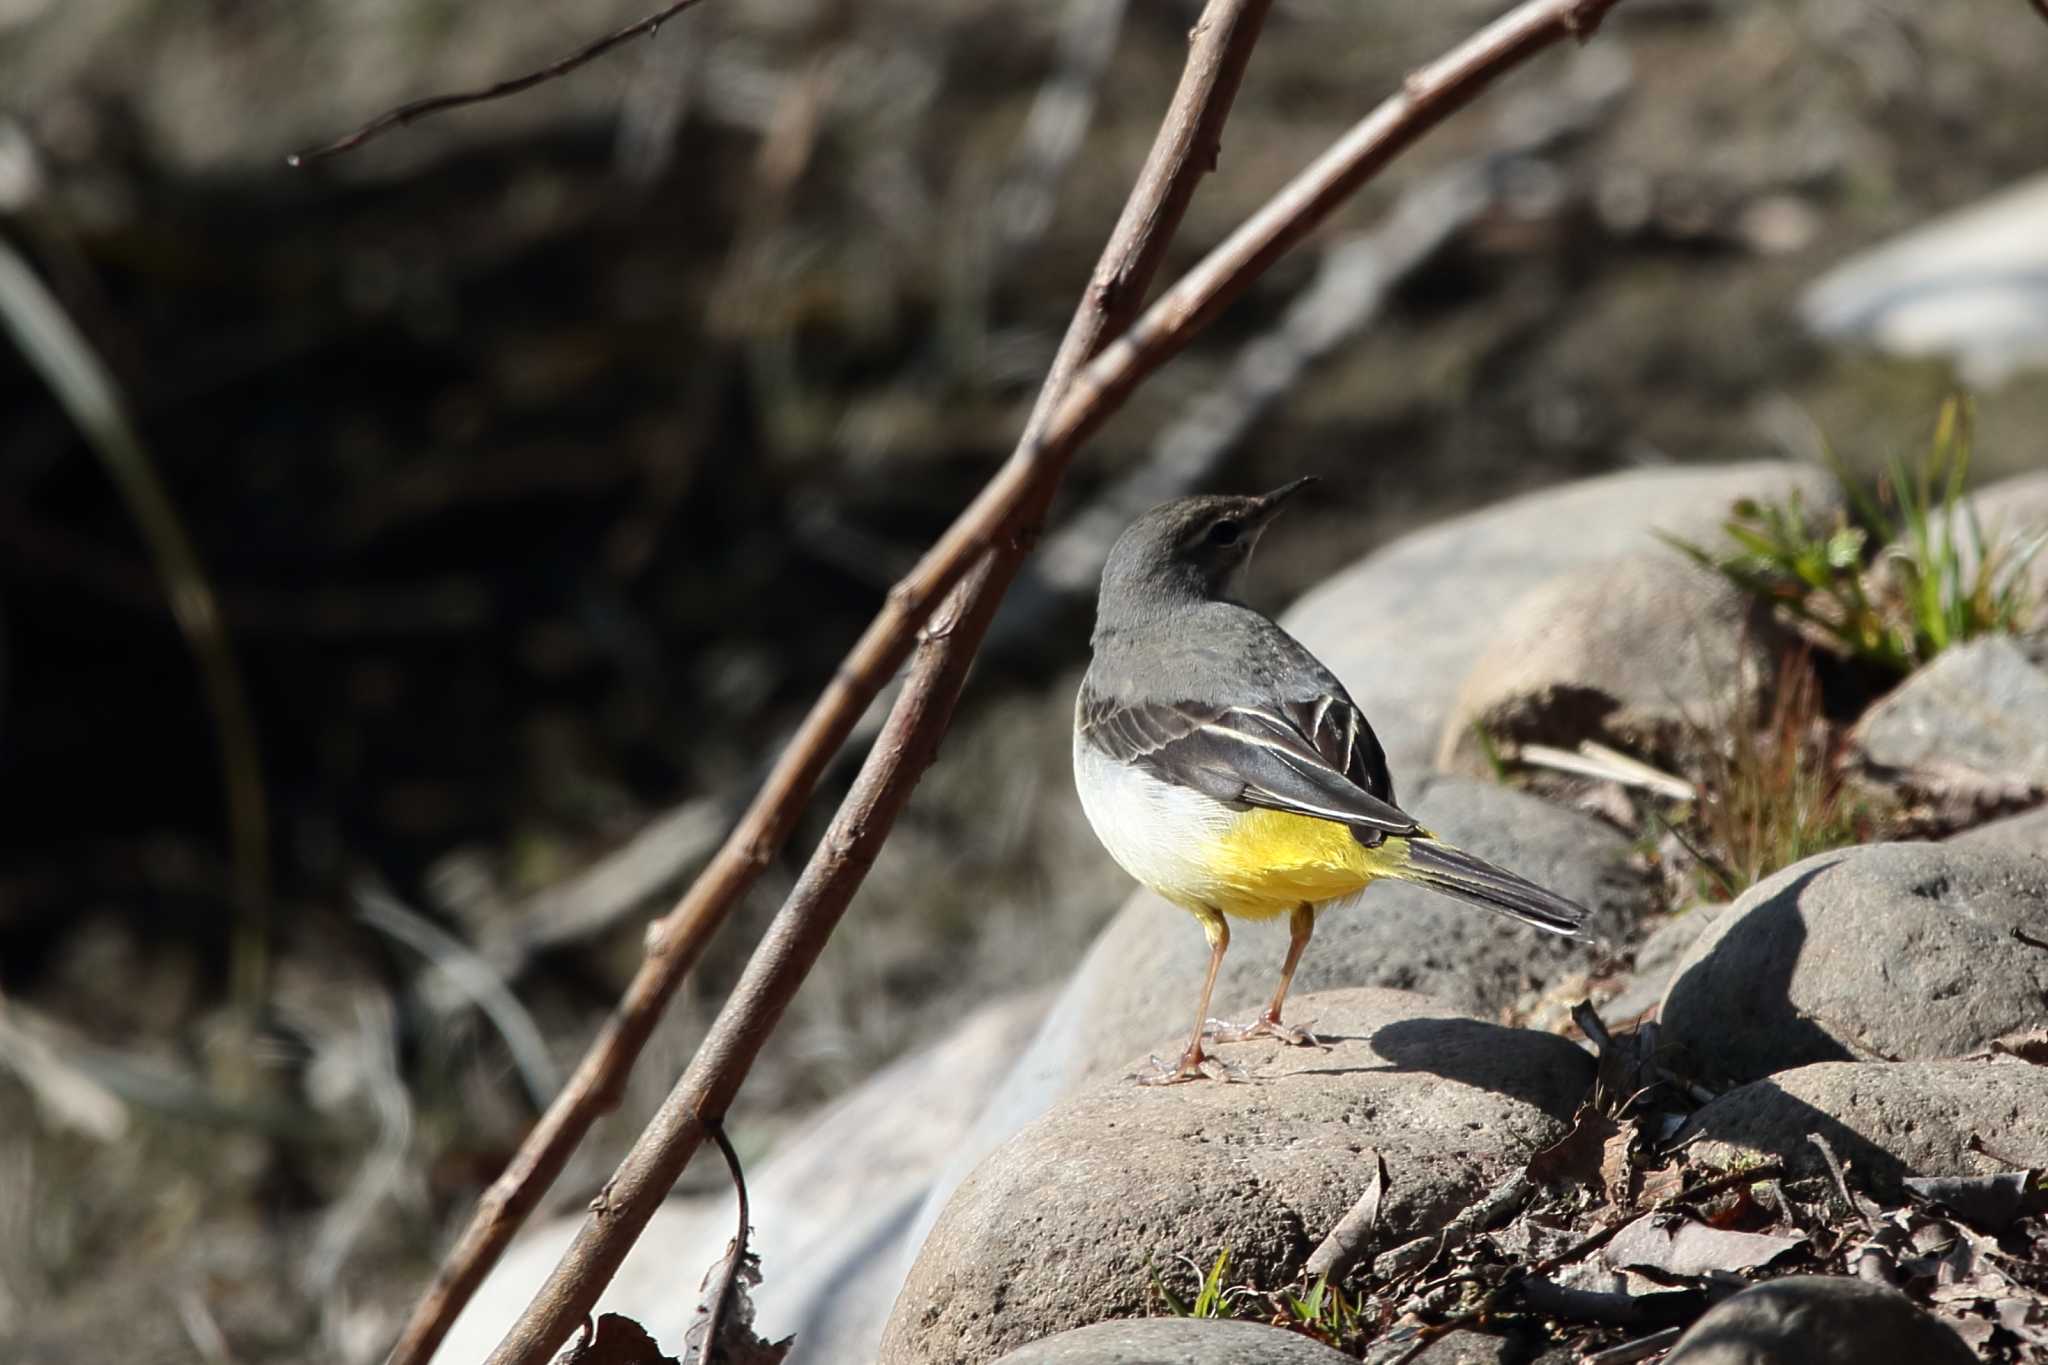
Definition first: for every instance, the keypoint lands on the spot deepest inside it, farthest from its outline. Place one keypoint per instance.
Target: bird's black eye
(1226, 532)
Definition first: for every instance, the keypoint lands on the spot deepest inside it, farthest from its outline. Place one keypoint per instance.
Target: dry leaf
(618, 1340)
(1617, 1173)
(1684, 1247)
(1662, 1183)
(1576, 1157)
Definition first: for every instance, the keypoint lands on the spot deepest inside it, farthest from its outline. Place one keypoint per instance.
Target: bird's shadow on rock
(1509, 1061)
(1742, 989)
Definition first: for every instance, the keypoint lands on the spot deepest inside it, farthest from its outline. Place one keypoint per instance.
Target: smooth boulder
(2025, 834)
(1404, 626)
(1069, 1220)
(1974, 719)
(1629, 652)
(1888, 952)
(1136, 989)
(1176, 1341)
(1887, 1120)
(1818, 1320)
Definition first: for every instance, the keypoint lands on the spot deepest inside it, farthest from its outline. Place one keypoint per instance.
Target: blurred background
(541, 460)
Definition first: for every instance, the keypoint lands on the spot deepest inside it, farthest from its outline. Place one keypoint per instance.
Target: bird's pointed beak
(1269, 504)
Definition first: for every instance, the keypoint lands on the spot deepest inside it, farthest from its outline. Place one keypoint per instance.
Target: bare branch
(1185, 150)
(992, 536)
(436, 104)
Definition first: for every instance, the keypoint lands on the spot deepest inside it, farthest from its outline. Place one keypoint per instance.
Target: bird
(1225, 767)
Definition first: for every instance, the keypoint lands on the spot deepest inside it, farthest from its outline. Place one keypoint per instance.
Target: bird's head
(1188, 550)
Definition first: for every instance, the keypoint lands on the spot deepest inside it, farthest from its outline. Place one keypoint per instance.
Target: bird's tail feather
(1459, 874)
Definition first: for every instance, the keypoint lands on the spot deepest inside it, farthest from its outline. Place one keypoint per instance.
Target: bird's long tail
(1459, 874)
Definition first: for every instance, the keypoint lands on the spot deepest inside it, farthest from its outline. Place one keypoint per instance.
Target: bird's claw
(1204, 1068)
(1224, 1031)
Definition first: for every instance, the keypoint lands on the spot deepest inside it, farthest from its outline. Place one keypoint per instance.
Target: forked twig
(1185, 149)
(992, 535)
(985, 544)
(436, 104)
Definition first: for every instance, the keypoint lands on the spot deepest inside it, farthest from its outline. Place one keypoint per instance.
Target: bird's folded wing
(1315, 758)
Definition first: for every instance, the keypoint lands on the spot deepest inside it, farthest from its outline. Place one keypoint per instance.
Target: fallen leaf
(1661, 1184)
(1576, 1157)
(1684, 1247)
(618, 1340)
(1617, 1173)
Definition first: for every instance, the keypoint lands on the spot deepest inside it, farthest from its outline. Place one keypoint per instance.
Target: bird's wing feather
(1314, 757)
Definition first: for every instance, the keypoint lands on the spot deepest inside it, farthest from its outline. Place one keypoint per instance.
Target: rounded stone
(1887, 1120)
(1070, 1220)
(1889, 952)
(1818, 1320)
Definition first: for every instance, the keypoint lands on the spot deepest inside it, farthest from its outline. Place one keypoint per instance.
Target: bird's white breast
(1155, 830)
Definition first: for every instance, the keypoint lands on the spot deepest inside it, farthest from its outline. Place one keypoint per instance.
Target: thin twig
(53, 345)
(1476, 1218)
(1834, 1164)
(435, 104)
(473, 978)
(736, 1261)
(986, 543)
(1185, 149)
(1002, 521)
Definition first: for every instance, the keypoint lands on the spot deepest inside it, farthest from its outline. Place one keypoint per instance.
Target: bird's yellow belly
(1201, 854)
(1268, 862)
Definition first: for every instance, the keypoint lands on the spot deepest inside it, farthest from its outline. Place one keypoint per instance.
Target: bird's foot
(1265, 1026)
(1191, 1067)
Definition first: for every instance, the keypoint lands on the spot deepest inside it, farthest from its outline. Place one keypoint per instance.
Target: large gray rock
(1971, 285)
(1404, 626)
(1818, 1320)
(1975, 718)
(830, 1207)
(1887, 952)
(1067, 1222)
(1176, 1341)
(1628, 651)
(1888, 1120)
(2025, 834)
(1136, 989)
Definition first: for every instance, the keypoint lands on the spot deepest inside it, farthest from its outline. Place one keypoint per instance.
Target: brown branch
(1185, 148)
(436, 104)
(994, 533)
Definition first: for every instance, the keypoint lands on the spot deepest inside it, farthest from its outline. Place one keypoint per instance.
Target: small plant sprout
(1906, 572)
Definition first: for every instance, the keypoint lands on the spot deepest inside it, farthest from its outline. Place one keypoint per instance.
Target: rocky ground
(1834, 1088)
(547, 457)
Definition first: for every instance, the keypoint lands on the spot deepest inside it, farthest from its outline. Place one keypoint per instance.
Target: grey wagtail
(1225, 767)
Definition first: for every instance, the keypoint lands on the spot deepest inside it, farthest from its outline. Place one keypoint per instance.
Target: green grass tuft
(1901, 576)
